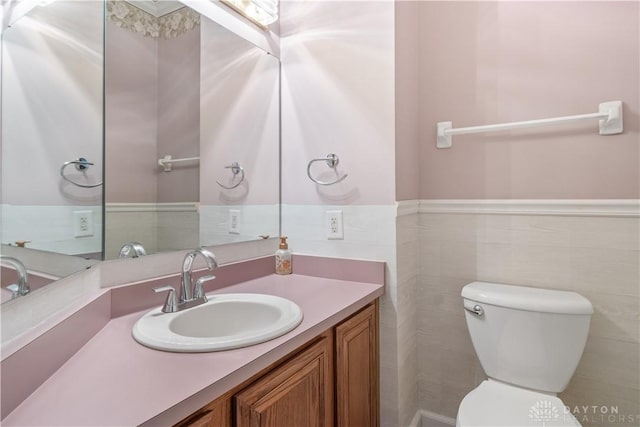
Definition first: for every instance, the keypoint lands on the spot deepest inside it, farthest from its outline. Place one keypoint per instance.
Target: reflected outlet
(234, 221)
(82, 223)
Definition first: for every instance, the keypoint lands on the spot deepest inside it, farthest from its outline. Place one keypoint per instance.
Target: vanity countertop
(114, 381)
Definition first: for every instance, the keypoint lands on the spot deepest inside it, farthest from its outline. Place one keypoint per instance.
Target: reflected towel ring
(236, 169)
(332, 161)
(82, 165)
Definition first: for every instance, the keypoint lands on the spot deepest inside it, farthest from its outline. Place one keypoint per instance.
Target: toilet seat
(494, 404)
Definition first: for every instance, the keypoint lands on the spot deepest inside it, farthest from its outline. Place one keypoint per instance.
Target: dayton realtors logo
(602, 415)
(543, 411)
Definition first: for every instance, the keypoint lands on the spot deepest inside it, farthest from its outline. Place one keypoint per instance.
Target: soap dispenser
(283, 258)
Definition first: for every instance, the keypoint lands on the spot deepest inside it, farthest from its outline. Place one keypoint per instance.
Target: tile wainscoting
(53, 226)
(165, 227)
(369, 233)
(160, 227)
(591, 247)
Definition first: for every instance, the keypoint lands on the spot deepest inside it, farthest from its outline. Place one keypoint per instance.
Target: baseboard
(424, 418)
(417, 419)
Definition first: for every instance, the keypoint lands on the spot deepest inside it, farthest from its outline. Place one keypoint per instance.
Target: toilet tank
(528, 337)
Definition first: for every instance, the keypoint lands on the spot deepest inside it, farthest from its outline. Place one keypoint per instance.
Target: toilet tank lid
(527, 298)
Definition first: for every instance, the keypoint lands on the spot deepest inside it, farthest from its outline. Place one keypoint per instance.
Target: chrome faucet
(187, 290)
(135, 249)
(190, 294)
(21, 288)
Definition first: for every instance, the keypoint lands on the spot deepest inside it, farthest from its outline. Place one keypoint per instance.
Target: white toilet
(529, 342)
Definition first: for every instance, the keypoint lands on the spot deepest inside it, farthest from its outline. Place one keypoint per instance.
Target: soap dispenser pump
(283, 258)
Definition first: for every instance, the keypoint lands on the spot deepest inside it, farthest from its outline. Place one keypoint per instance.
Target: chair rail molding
(560, 207)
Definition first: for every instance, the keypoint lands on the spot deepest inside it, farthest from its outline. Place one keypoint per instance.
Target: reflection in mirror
(176, 85)
(42, 268)
(52, 78)
(180, 85)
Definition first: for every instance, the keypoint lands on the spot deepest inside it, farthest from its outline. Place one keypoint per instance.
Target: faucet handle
(15, 290)
(198, 291)
(171, 303)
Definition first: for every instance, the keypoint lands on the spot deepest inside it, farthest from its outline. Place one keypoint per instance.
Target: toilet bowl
(494, 404)
(529, 342)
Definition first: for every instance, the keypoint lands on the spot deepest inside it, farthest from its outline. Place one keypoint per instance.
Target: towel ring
(82, 165)
(236, 169)
(332, 161)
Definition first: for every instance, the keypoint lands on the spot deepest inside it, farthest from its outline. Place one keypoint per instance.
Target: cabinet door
(298, 393)
(357, 370)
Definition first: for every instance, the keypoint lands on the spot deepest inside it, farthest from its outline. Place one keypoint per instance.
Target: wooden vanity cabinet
(357, 384)
(330, 381)
(215, 414)
(297, 393)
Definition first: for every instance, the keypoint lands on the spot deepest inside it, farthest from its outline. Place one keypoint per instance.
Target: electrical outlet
(82, 223)
(334, 225)
(234, 221)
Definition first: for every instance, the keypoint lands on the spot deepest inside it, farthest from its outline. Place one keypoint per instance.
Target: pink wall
(152, 110)
(407, 51)
(494, 62)
(179, 115)
(338, 96)
(239, 119)
(131, 79)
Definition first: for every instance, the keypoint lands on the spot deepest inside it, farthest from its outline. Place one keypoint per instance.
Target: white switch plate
(82, 223)
(335, 230)
(234, 221)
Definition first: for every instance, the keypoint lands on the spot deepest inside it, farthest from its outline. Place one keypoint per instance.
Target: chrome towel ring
(332, 161)
(82, 165)
(236, 169)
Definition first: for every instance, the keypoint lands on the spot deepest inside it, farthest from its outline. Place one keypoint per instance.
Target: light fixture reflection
(261, 12)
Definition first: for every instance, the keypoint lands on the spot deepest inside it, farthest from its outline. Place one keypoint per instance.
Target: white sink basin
(224, 322)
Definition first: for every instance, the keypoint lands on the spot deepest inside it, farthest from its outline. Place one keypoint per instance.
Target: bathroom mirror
(180, 86)
(175, 84)
(52, 62)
